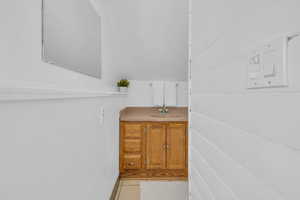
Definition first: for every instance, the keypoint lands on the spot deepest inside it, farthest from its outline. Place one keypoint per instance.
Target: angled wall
(245, 144)
(147, 39)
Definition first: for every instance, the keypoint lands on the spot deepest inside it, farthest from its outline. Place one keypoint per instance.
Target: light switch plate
(267, 65)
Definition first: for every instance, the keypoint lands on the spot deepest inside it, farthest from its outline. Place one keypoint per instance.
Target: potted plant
(123, 85)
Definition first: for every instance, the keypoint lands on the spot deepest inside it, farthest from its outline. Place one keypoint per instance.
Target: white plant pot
(123, 89)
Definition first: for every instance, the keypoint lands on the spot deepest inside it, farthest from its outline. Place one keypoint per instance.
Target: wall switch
(267, 66)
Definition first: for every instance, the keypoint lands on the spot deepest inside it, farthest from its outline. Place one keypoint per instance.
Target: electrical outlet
(101, 115)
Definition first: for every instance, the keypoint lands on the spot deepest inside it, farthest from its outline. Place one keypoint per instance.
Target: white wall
(148, 38)
(59, 149)
(54, 149)
(244, 144)
(140, 93)
(20, 51)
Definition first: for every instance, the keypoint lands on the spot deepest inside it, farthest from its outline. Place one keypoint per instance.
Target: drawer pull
(131, 164)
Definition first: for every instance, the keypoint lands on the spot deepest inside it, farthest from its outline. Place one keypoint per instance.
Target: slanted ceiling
(147, 40)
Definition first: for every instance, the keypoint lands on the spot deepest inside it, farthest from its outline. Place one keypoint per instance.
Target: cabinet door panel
(176, 146)
(156, 140)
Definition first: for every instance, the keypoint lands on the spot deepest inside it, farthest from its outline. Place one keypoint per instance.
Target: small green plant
(123, 83)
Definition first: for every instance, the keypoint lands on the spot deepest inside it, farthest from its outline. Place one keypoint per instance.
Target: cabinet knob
(131, 164)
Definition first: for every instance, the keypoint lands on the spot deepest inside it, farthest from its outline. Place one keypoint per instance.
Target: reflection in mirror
(72, 35)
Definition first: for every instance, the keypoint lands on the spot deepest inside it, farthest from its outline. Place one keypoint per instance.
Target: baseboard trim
(155, 174)
(115, 190)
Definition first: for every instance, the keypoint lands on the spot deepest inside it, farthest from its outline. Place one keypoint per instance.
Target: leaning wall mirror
(71, 35)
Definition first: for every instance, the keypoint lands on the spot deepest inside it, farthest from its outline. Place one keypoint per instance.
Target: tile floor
(152, 190)
(129, 190)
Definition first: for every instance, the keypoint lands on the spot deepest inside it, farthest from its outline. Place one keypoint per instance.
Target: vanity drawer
(132, 162)
(132, 145)
(132, 130)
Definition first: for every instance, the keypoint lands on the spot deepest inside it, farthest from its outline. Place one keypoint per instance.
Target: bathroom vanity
(153, 145)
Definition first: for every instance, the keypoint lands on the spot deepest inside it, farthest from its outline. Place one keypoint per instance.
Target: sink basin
(140, 114)
(165, 115)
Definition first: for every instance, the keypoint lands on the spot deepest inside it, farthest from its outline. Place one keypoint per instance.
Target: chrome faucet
(163, 109)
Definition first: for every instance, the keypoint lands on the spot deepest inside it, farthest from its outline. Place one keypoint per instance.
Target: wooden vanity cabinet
(153, 150)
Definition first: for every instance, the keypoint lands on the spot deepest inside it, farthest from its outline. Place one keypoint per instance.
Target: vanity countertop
(151, 114)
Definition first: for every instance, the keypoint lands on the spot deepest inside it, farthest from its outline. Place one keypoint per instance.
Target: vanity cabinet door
(156, 143)
(176, 146)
